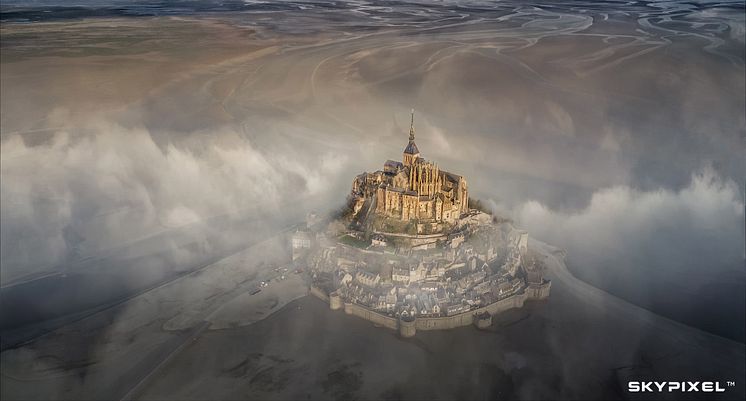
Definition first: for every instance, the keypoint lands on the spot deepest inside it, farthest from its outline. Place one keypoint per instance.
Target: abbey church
(414, 189)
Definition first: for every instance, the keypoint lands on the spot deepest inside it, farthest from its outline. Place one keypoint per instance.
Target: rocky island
(409, 253)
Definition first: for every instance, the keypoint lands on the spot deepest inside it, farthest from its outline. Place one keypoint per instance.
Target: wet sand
(580, 344)
(105, 355)
(247, 309)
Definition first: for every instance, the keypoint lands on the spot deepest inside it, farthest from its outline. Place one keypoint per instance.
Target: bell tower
(411, 153)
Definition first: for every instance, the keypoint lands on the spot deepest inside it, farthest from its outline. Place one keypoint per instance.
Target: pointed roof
(411, 146)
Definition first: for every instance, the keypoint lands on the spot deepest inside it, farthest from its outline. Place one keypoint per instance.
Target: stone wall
(444, 323)
(415, 239)
(335, 301)
(483, 321)
(536, 291)
(367, 314)
(539, 291)
(407, 328)
(319, 293)
(467, 318)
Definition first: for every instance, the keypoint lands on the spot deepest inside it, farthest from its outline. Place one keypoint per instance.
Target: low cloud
(101, 185)
(696, 230)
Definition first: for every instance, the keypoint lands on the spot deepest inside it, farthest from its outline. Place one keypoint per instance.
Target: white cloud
(698, 226)
(117, 184)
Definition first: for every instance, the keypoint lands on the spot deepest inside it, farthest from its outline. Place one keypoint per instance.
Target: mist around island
(141, 141)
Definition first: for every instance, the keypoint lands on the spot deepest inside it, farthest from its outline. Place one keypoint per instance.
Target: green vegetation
(478, 205)
(352, 241)
(428, 252)
(389, 225)
(395, 242)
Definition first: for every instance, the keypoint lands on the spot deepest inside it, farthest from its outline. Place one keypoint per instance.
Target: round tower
(407, 324)
(335, 301)
(483, 320)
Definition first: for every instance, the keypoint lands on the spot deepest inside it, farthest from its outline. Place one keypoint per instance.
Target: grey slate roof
(411, 148)
(393, 164)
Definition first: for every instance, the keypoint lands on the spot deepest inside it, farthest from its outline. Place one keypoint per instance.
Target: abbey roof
(411, 148)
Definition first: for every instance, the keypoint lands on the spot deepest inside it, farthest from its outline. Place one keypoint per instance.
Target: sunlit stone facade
(413, 189)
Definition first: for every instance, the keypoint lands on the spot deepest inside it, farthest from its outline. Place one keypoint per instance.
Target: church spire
(411, 153)
(411, 127)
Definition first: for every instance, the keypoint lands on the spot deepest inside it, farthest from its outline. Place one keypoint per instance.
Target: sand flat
(579, 344)
(86, 359)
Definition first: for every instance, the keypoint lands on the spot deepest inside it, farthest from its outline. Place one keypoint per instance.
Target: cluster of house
(440, 284)
(455, 291)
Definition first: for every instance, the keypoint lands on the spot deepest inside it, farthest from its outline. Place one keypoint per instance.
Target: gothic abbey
(411, 190)
(409, 254)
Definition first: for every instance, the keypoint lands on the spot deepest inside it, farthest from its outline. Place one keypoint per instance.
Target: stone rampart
(483, 321)
(335, 301)
(467, 318)
(416, 239)
(367, 314)
(407, 327)
(444, 323)
(539, 291)
(319, 293)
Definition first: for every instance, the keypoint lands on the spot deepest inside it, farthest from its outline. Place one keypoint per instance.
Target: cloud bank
(700, 225)
(678, 252)
(81, 193)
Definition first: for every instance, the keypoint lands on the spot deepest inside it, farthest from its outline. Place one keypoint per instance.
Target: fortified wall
(539, 290)
(416, 239)
(408, 327)
(369, 315)
(319, 293)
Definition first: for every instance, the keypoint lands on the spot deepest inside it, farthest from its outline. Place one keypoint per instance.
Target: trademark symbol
(730, 384)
